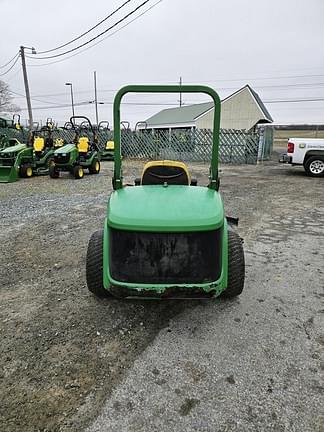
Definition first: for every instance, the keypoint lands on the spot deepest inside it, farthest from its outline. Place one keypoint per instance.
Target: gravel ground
(70, 362)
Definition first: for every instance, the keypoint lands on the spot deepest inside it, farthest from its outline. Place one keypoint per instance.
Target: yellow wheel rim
(80, 172)
(97, 167)
(29, 172)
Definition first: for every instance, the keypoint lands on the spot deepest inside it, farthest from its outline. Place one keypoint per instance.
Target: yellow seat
(39, 144)
(165, 171)
(83, 145)
(59, 142)
(110, 145)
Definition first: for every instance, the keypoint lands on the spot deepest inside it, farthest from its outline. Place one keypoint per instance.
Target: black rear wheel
(236, 266)
(94, 167)
(26, 171)
(94, 266)
(314, 166)
(53, 171)
(78, 172)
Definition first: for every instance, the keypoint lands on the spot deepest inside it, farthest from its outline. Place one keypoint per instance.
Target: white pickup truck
(308, 152)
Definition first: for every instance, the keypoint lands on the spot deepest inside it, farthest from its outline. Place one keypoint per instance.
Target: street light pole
(72, 101)
(96, 98)
(23, 64)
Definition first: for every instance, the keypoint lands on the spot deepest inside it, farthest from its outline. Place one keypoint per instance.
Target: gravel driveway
(70, 362)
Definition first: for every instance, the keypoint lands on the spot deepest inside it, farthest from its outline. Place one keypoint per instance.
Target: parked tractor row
(43, 154)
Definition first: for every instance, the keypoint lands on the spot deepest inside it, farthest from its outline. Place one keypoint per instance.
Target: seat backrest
(58, 142)
(39, 144)
(165, 171)
(83, 144)
(110, 145)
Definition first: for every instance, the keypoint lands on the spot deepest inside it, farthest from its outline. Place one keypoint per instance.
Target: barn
(242, 110)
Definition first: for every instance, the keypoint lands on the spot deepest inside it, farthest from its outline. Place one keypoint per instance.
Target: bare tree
(6, 99)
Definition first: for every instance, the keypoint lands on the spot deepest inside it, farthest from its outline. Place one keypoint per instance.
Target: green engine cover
(14, 149)
(165, 209)
(67, 148)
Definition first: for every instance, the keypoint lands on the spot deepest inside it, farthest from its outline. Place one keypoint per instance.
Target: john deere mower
(6, 139)
(107, 154)
(167, 236)
(82, 154)
(26, 160)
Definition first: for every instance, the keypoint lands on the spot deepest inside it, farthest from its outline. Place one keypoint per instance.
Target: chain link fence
(236, 146)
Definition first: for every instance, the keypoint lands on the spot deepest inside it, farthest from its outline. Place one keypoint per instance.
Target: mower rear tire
(26, 171)
(78, 172)
(53, 171)
(94, 265)
(236, 266)
(94, 167)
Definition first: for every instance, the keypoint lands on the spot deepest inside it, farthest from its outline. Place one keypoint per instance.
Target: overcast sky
(276, 46)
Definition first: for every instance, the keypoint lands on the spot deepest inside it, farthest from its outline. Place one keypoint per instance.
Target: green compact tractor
(26, 160)
(107, 154)
(6, 139)
(165, 236)
(82, 154)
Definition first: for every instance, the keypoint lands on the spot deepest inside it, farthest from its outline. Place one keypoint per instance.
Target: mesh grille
(172, 258)
(60, 159)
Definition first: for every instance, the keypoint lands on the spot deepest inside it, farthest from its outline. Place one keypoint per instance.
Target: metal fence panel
(236, 146)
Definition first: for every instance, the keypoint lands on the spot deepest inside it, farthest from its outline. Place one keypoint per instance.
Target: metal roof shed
(243, 109)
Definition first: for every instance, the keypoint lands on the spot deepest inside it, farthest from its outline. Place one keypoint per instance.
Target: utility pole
(96, 98)
(180, 83)
(23, 64)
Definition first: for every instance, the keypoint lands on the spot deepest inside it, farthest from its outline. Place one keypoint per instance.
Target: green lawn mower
(165, 236)
(8, 123)
(82, 154)
(107, 154)
(6, 138)
(26, 160)
(5, 141)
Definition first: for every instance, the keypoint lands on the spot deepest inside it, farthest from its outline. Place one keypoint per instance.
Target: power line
(166, 104)
(98, 42)
(33, 98)
(10, 77)
(13, 58)
(88, 31)
(125, 25)
(58, 106)
(104, 103)
(294, 100)
(95, 37)
(276, 100)
(11, 67)
(259, 78)
(301, 85)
